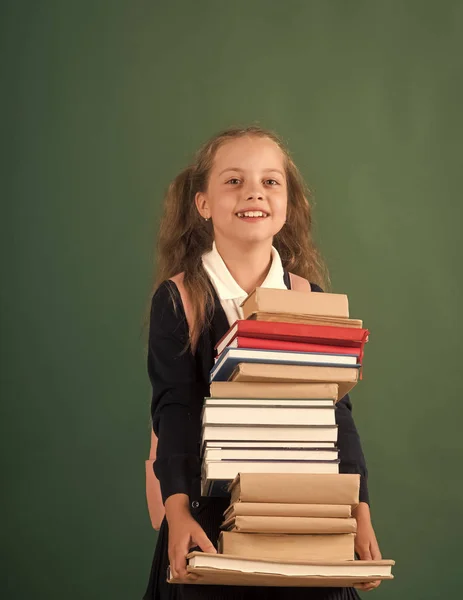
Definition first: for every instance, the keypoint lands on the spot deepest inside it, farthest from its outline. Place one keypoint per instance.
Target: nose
(254, 189)
(254, 193)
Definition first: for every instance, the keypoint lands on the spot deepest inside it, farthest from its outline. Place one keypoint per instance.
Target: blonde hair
(184, 235)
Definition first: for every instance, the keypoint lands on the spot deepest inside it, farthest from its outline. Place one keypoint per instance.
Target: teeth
(255, 213)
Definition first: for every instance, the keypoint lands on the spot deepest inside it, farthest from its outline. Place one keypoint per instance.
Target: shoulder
(169, 288)
(164, 292)
(171, 303)
(165, 303)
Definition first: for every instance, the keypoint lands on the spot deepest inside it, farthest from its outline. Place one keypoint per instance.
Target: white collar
(226, 287)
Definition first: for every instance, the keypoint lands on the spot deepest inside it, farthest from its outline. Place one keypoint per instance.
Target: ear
(202, 205)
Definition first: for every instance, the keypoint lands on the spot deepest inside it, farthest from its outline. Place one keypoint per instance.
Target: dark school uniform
(180, 382)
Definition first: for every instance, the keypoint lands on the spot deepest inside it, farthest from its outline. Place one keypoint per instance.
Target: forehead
(249, 152)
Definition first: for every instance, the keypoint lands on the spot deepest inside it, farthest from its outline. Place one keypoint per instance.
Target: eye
(274, 181)
(233, 179)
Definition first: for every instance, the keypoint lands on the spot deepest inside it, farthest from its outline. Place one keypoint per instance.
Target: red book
(328, 335)
(268, 344)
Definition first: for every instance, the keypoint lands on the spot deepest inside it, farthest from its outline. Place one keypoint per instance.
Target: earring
(206, 219)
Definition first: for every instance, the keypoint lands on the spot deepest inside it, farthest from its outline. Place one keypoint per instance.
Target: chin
(255, 237)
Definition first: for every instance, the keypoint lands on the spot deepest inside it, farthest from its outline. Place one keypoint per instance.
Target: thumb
(201, 539)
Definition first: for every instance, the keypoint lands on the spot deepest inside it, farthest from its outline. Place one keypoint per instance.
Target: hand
(184, 533)
(366, 544)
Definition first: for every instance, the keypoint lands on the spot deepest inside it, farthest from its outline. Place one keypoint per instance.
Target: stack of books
(269, 438)
(283, 516)
(277, 377)
(289, 530)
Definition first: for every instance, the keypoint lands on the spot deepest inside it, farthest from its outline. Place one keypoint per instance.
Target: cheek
(223, 204)
(281, 206)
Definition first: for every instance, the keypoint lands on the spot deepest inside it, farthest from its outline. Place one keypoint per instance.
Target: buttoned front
(230, 294)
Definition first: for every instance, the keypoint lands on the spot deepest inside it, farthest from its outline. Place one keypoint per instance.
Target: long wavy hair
(184, 235)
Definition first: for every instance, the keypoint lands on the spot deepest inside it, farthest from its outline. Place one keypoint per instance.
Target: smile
(253, 214)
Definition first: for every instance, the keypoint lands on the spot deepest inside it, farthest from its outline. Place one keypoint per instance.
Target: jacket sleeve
(350, 447)
(177, 394)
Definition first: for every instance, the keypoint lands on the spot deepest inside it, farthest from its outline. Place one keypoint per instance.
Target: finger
(365, 587)
(372, 585)
(375, 551)
(180, 563)
(188, 577)
(364, 552)
(204, 542)
(173, 572)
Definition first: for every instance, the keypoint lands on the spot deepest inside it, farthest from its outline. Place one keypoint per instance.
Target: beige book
(306, 320)
(292, 302)
(287, 546)
(238, 389)
(345, 377)
(296, 488)
(278, 509)
(226, 569)
(257, 524)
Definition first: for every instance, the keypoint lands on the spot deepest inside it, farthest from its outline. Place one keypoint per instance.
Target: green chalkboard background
(102, 103)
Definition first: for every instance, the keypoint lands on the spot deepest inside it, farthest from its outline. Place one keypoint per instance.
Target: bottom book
(224, 569)
(286, 546)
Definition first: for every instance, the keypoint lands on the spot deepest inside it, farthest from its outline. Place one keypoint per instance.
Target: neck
(248, 265)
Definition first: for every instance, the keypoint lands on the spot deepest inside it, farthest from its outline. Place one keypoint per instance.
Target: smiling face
(247, 175)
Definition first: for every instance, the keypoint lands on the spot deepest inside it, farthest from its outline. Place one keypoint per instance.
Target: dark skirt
(209, 515)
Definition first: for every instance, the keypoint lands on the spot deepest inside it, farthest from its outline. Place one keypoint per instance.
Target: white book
(261, 445)
(270, 454)
(302, 433)
(270, 415)
(230, 357)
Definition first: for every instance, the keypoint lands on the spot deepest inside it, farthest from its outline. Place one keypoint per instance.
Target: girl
(219, 255)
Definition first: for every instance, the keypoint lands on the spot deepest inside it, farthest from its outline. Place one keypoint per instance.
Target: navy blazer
(180, 382)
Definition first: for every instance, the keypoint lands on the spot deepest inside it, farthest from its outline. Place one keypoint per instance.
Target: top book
(272, 300)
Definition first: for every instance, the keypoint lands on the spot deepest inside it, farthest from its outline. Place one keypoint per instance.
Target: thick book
(215, 474)
(306, 320)
(268, 415)
(225, 569)
(259, 433)
(346, 378)
(287, 546)
(300, 303)
(271, 454)
(294, 332)
(293, 525)
(276, 509)
(296, 488)
(231, 357)
(233, 389)
(284, 345)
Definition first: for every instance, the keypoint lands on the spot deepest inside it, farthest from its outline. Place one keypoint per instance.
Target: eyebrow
(241, 170)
